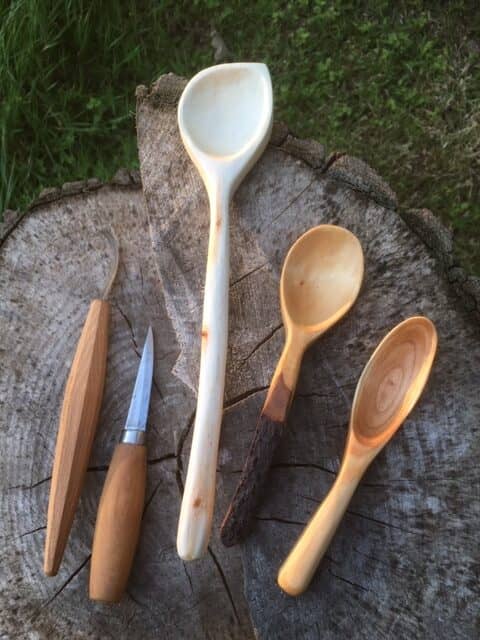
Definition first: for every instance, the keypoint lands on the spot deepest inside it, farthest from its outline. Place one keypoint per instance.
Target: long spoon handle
(297, 571)
(196, 513)
(78, 422)
(268, 435)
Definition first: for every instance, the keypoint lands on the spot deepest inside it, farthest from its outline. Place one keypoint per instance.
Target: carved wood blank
(404, 561)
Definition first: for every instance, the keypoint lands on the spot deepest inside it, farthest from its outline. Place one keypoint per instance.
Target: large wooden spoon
(320, 281)
(387, 391)
(225, 119)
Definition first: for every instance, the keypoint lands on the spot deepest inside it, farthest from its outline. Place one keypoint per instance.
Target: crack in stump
(27, 487)
(129, 324)
(167, 456)
(178, 474)
(67, 581)
(27, 533)
(242, 396)
(181, 443)
(302, 465)
(280, 520)
(262, 342)
(151, 497)
(293, 200)
(245, 275)
(188, 577)
(389, 525)
(134, 599)
(350, 582)
(156, 386)
(336, 155)
(225, 583)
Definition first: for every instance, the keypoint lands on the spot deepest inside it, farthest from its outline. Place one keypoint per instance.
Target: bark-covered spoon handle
(268, 434)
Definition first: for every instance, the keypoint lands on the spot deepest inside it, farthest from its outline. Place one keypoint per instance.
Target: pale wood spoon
(387, 391)
(320, 281)
(225, 120)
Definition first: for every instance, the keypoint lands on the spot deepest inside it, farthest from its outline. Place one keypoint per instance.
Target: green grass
(396, 83)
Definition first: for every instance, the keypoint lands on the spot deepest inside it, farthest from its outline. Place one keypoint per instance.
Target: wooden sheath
(78, 422)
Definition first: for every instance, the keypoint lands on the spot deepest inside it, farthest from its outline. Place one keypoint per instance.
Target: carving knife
(121, 505)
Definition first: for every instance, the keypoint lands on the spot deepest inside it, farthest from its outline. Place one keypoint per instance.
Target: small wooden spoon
(225, 119)
(320, 281)
(387, 391)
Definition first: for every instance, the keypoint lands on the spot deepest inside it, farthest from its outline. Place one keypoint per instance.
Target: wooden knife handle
(268, 435)
(118, 523)
(78, 422)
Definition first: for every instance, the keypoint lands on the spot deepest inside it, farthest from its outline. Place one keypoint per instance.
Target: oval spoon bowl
(393, 380)
(388, 389)
(321, 278)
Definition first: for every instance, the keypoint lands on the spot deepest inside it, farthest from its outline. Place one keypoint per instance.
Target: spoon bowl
(225, 119)
(388, 389)
(392, 381)
(321, 278)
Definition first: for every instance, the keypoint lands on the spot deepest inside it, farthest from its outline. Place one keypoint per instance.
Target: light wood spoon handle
(78, 422)
(269, 432)
(297, 570)
(195, 522)
(118, 523)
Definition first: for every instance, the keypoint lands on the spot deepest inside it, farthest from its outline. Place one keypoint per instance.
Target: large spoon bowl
(321, 278)
(388, 389)
(225, 119)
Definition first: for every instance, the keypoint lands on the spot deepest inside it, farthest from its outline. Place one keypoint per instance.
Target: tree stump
(404, 562)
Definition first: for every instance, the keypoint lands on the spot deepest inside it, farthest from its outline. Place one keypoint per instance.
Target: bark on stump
(404, 562)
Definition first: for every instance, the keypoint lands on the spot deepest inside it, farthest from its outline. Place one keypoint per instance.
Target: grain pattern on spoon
(388, 389)
(225, 119)
(320, 281)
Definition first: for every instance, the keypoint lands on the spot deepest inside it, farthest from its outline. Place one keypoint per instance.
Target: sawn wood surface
(404, 562)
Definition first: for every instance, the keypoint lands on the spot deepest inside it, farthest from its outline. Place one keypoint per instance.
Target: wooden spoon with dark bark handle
(320, 281)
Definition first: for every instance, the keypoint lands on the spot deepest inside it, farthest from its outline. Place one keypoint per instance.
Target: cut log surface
(52, 264)
(404, 562)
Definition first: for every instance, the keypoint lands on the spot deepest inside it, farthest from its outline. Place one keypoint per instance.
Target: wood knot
(204, 334)
(197, 503)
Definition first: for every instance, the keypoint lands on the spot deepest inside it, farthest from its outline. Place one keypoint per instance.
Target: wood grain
(78, 423)
(45, 308)
(388, 389)
(118, 523)
(404, 561)
(414, 517)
